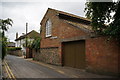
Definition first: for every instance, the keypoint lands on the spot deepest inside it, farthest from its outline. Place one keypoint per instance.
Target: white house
(21, 41)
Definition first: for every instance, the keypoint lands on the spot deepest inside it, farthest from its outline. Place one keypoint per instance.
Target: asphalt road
(22, 68)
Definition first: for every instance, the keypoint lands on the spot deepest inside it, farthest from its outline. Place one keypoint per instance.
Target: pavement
(27, 68)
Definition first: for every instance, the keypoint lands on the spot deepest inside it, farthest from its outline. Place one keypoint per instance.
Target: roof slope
(72, 15)
(72, 19)
(86, 28)
(33, 34)
(65, 13)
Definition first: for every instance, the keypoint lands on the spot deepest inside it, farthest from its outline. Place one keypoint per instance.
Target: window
(48, 28)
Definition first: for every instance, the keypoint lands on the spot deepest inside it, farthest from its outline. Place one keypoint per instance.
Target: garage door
(74, 54)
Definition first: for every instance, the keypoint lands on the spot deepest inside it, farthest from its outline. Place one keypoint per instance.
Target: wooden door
(74, 54)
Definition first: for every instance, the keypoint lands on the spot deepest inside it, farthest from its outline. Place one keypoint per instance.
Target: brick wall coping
(75, 38)
(91, 35)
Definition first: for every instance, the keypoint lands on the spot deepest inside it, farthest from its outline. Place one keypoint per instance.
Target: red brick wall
(102, 55)
(68, 31)
(60, 29)
(47, 42)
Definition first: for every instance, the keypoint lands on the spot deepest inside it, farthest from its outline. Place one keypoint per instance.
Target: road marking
(75, 76)
(9, 72)
(60, 71)
(46, 65)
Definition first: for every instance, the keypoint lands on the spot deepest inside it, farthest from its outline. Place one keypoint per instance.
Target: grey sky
(33, 11)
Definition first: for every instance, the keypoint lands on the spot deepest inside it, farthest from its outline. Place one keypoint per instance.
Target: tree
(113, 30)
(33, 44)
(36, 43)
(100, 14)
(4, 26)
(4, 47)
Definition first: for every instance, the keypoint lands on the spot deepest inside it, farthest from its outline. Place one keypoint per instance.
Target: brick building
(68, 40)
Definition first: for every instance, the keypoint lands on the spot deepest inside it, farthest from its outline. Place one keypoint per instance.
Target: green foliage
(33, 44)
(13, 48)
(29, 43)
(114, 28)
(100, 14)
(4, 26)
(36, 43)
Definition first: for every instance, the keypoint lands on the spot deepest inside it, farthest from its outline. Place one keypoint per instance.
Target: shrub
(36, 44)
(13, 48)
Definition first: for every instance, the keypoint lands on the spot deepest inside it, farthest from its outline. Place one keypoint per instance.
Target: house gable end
(46, 14)
(32, 34)
(68, 18)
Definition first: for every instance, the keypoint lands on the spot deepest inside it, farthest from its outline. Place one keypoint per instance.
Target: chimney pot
(16, 35)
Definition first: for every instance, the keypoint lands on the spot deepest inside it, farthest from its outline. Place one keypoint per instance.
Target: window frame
(48, 28)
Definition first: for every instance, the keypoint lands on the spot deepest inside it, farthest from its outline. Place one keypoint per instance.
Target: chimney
(16, 35)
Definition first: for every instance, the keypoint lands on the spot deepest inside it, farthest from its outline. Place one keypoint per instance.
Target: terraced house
(21, 41)
(68, 40)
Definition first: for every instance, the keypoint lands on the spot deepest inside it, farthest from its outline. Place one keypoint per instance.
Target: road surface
(22, 68)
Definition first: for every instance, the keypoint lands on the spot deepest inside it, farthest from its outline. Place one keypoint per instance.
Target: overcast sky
(22, 11)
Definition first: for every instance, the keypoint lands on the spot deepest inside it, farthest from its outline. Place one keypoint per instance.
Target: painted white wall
(20, 43)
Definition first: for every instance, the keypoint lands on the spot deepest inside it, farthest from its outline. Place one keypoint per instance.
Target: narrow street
(23, 68)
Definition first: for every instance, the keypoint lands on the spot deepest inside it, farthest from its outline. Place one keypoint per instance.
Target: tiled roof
(83, 24)
(76, 21)
(33, 34)
(72, 15)
(84, 27)
(59, 13)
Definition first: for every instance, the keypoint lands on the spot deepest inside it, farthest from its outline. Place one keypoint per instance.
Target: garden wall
(102, 56)
(16, 52)
(48, 55)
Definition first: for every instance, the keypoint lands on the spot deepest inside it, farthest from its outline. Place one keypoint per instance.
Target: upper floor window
(48, 28)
